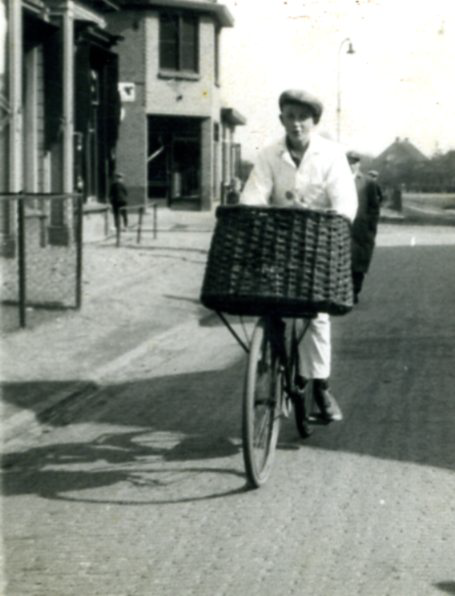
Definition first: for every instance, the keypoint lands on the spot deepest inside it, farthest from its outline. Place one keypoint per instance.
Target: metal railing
(136, 211)
(41, 251)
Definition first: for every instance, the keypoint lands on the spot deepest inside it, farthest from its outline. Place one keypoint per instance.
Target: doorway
(174, 160)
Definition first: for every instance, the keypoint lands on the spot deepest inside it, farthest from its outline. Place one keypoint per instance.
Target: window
(179, 42)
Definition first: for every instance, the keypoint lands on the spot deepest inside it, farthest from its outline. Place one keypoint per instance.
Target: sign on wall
(127, 91)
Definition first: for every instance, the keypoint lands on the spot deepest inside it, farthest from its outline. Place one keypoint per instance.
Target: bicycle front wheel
(261, 406)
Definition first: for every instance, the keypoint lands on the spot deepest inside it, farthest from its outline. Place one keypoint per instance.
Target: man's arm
(373, 206)
(259, 186)
(379, 193)
(341, 187)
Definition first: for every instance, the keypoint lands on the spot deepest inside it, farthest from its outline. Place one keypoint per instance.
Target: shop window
(179, 42)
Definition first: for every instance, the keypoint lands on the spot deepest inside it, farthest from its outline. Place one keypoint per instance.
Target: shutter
(189, 43)
(82, 88)
(169, 29)
(53, 87)
(112, 98)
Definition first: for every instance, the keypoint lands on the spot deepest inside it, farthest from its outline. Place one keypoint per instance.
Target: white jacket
(323, 179)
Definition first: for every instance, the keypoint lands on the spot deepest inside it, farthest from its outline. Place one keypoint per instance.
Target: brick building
(177, 139)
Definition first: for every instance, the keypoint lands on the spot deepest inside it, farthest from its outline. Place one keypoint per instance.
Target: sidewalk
(131, 294)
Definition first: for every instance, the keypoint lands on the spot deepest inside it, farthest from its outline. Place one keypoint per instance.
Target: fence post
(79, 243)
(139, 227)
(155, 220)
(22, 280)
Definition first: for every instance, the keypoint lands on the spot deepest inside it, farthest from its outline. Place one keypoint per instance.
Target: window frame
(178, 68)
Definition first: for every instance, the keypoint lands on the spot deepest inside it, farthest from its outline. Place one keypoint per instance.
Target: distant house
(397, 165)
(400, 152)
(176, 138)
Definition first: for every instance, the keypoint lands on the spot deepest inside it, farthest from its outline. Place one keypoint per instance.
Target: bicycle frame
(288, 355)
(276, 329)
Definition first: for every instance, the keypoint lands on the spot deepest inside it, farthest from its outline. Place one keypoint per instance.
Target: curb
(162, 348)
(18, 423)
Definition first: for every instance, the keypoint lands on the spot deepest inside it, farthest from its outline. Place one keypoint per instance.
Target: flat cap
(302, 97)
(353, 156)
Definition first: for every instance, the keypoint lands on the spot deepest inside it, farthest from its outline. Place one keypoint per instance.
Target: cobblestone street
(134, 485)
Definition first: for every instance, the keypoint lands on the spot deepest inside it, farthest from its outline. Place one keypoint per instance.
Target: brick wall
(132, 144)
(185, 97)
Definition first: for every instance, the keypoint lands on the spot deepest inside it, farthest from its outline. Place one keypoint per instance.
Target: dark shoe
(329, 410)
(301, 418)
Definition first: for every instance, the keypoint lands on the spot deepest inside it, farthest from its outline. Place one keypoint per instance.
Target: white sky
(400, 81)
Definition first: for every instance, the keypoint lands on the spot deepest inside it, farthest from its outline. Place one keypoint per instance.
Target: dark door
(174, 159)
(186, 168)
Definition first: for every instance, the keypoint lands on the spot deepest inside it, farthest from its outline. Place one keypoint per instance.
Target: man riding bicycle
(309, 171)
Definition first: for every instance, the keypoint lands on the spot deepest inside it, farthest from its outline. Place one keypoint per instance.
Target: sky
(400, 81)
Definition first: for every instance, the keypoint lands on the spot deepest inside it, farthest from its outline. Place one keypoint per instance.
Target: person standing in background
(365, 224)
(374, 175)
(118, 197)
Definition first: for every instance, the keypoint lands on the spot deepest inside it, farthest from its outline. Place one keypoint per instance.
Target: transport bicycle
(277, 265)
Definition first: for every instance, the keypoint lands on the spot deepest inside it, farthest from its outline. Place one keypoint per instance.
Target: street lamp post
(350, 50)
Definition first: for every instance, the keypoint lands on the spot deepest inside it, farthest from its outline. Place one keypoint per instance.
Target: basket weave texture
(289, 262)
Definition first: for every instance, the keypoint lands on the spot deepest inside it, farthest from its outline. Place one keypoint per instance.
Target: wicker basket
(289, 262)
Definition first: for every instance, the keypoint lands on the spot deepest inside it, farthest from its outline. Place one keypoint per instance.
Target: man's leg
(315, 360)
(115, 213)
(314, 347)
(124, 213)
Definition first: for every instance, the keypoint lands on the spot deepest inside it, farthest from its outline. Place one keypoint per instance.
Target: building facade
(176, 138)
(59, 105)
(90, 87)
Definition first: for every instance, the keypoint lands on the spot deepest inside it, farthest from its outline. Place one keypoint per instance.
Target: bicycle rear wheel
(261, 406)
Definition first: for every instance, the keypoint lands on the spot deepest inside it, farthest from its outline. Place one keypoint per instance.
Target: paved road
(137, 488)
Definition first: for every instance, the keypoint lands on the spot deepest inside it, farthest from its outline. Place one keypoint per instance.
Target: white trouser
(314, 348)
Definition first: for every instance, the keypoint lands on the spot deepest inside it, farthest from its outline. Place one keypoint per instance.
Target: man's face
(298, 122)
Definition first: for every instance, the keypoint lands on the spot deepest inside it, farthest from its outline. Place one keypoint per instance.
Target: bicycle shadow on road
(120, 464)
(183, 426)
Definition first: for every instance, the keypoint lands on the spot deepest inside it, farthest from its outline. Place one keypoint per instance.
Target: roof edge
(219, 11)
(233, 117)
